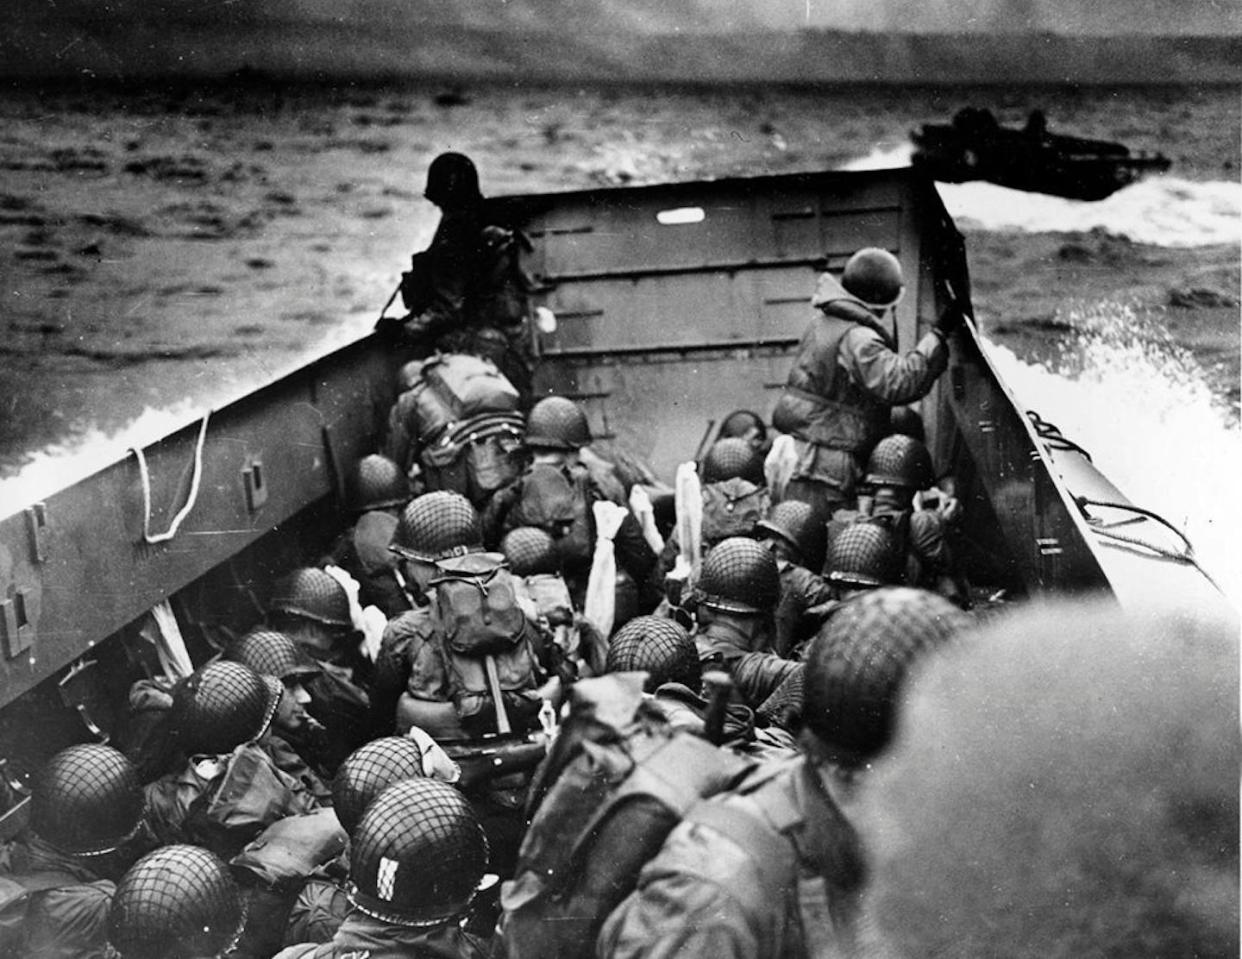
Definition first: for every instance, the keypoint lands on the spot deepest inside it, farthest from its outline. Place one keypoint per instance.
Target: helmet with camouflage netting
(271, 653)
(376, 482)
(659, 647)
(436, 526)
(368, 771)
(900, 460)
(557, 422)
(530, 551)
(222, 705)
(863, 555)
(310, 593)
(794, 521)
(859, 659)
(739, 575)
(179, 902)
(418, 854)
(733, 458)
(86, 800)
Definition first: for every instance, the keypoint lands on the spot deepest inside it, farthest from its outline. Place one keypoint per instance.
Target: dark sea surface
(166, 249)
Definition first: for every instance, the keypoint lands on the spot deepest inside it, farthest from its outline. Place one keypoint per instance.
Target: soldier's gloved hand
(950, 319)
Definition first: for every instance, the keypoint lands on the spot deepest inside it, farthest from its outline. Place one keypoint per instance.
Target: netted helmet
(530, 551)
(86, 800)
(658, 646)
(179, 902)
(436, 526)
(864, 555)
(556, 422)
(858, 660)
(452, 181)
(900, 460)
(733, 458)
(873, 276)
(270, 653)
(795, 522)
(904, 420)
(368, 771)
(376, 483)
(740, 575)
(311, 593)
(417, 855)
(222, 705)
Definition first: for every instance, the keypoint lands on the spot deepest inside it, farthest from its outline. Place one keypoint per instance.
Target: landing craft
(975, 147)
(676, 304)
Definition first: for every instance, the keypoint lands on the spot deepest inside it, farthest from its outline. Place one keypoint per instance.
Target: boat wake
(1140, 405)
(1159, 210)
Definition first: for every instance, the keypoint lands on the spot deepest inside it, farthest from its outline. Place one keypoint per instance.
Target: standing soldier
(847, 375)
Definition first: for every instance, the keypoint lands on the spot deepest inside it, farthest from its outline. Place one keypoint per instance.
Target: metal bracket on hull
(15, 620)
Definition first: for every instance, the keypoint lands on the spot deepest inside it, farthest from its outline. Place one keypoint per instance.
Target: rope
(1052, 435)
(190, 499)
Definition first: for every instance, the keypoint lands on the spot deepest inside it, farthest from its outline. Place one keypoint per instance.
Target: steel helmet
(270, 653)
(900, 460)
(436, 526)
(738, 423)
(452, 181)
(740, 575)
(86, 800)
(222, 705)
(658, 646)
(557, 422)
(368, 771)
(794, 521)
(733, 458)
(311, 593)
(376, 483)
(873, 276)
(903, 419)
(530, 551)
(417, 855)
(865, 555)
(179, 902)
(857, 662)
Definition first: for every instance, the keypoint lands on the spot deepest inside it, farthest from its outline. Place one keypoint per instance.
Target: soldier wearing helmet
(376, 492)
(312, 607)
(179, 902)
(557, 493)
(221, 721)
(467, 292)
(774, 866)
(417, 859)
(86, 813)
(898, 469)
(796, 539)
(846, 376)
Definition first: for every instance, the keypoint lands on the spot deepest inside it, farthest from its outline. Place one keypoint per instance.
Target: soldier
(796, 539)
(376, 493)
(179, 902)
(86, 805)
(862, 557)
(417, 859)
(847, 375)
(773, 868)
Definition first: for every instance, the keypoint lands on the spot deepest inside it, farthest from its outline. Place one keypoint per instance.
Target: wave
(1159, 210)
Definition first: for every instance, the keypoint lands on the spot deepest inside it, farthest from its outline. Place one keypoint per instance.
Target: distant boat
(976, 147)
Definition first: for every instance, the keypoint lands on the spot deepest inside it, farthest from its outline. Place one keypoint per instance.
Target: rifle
(494, 756)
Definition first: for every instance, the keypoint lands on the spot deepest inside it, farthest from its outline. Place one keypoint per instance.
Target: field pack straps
(447, 447)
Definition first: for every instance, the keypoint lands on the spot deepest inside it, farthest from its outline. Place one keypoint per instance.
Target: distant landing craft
(975, 147)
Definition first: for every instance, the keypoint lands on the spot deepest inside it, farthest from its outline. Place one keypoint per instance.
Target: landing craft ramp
(676, 303)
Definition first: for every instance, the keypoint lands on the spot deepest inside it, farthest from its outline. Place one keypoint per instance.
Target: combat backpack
(616, 782)
(731, 507)
(558, 505)
(484, 638)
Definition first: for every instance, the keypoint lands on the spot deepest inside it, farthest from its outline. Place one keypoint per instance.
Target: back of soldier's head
(86, 800)
(178, 902)
(733, 458)
(657, 646)
(557, 423)
(744, 425)
(902, 461)
(739, 576)
(530, 551)
(222, 705)
(309, 596)
(436, 526)
(376, 482)
(452, 182)
(873, 276)
(1065, 783)
(796, 524)
(858, 661)
(863, 556)
(368, 771)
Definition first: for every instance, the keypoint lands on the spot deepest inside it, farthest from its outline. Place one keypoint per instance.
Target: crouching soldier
(417, 859)
(773, 867)
(179, 902)
(86, 805)
(796, 539)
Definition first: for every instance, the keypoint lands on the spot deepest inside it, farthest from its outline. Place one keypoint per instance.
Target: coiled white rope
(190, 499)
